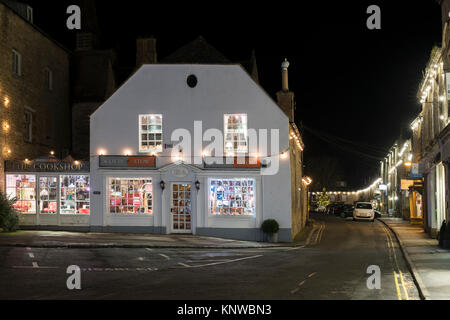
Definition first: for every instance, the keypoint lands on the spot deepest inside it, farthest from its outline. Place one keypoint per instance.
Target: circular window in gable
(191, 81)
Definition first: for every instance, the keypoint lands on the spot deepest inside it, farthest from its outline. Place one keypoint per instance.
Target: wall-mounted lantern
(197, 185)
(162, 184)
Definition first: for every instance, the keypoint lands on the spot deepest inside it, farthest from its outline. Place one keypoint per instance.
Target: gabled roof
(197, 51)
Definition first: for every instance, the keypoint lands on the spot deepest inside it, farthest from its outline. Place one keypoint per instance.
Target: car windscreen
(363, 206)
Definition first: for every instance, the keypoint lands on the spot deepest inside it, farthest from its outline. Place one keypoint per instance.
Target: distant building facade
(431, 139)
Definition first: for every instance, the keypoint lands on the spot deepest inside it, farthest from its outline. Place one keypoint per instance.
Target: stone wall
(50, 108)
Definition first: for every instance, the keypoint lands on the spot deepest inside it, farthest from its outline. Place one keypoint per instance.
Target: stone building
(431, 143)
(34, 88)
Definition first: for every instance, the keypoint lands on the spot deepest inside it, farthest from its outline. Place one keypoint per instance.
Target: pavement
(64, 239)
(429, 264)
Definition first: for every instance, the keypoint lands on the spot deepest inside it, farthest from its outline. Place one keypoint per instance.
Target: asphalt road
(333, 265)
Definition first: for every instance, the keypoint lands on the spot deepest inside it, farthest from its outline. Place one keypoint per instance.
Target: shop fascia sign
(127, 161)
(46, 166)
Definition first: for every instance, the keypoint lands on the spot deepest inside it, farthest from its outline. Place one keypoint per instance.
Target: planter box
(273, 238)
(446, 244)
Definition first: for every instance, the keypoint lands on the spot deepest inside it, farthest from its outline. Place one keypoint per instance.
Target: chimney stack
(285, 97)
(284, 76)
(145, 51)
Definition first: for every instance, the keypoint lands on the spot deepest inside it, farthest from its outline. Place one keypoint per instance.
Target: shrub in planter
(446, 237)
(442, 232)
(271, 227)
(9, 220)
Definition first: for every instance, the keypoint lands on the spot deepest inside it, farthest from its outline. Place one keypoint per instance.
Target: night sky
(354, 87)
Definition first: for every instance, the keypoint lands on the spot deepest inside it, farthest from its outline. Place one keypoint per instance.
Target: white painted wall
(162, 89)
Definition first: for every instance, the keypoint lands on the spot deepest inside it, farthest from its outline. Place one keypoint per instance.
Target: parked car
(364, 211)
(331, 208)
(346, 211)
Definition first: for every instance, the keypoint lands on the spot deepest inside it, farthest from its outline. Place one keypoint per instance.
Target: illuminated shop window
(48, 187)
(235, 126)
(74, 194)
(130, 195)
(23, 189)
(232, 196)
(150, 133)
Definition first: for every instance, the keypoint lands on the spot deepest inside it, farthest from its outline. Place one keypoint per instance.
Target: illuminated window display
(23, 189)
(150, 133)
(131, 195)
(74, 194)
(48, 187)
(235, 126)
(232, 196)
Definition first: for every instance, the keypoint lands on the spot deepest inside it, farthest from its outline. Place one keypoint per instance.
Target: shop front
(177, 198)
(49, 192)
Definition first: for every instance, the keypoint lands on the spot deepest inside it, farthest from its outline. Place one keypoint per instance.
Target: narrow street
(331, 266)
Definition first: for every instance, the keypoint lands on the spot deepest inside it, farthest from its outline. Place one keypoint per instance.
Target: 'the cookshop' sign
(46, 166)
(126, 161)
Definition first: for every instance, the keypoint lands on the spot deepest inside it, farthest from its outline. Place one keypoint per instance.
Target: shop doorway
(48, 188)
(180, 207)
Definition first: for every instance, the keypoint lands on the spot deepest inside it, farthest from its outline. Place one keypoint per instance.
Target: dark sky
(351, 83)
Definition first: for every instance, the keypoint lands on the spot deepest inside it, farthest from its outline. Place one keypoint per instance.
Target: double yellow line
(396, 267)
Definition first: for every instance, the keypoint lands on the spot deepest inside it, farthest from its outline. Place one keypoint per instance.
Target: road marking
(316, 241)
(35, 264)
(399, 295)
(148, 249)
(403, 285)
(31, 255)
(294, 290)
(32, 267)
(219, 262)
(184, 265)
(163, 255)
(140, 259)
(303, 282)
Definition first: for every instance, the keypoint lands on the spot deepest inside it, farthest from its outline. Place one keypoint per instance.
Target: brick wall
(50, 108)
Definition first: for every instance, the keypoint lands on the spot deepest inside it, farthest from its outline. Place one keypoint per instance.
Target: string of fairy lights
(369, 188)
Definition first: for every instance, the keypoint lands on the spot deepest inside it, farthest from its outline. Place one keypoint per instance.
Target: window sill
(230, 216)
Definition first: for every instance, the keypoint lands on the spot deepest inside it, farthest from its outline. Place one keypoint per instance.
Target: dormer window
(235, 139)
(150, 133)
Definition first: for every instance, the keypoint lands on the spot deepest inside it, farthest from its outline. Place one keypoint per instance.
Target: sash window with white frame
(235, 135)
(150, 133)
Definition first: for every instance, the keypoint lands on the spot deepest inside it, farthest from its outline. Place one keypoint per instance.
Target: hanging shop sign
(405, 184)
(382, 186)
(46, 166)
(416, 170)
(127, 161)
